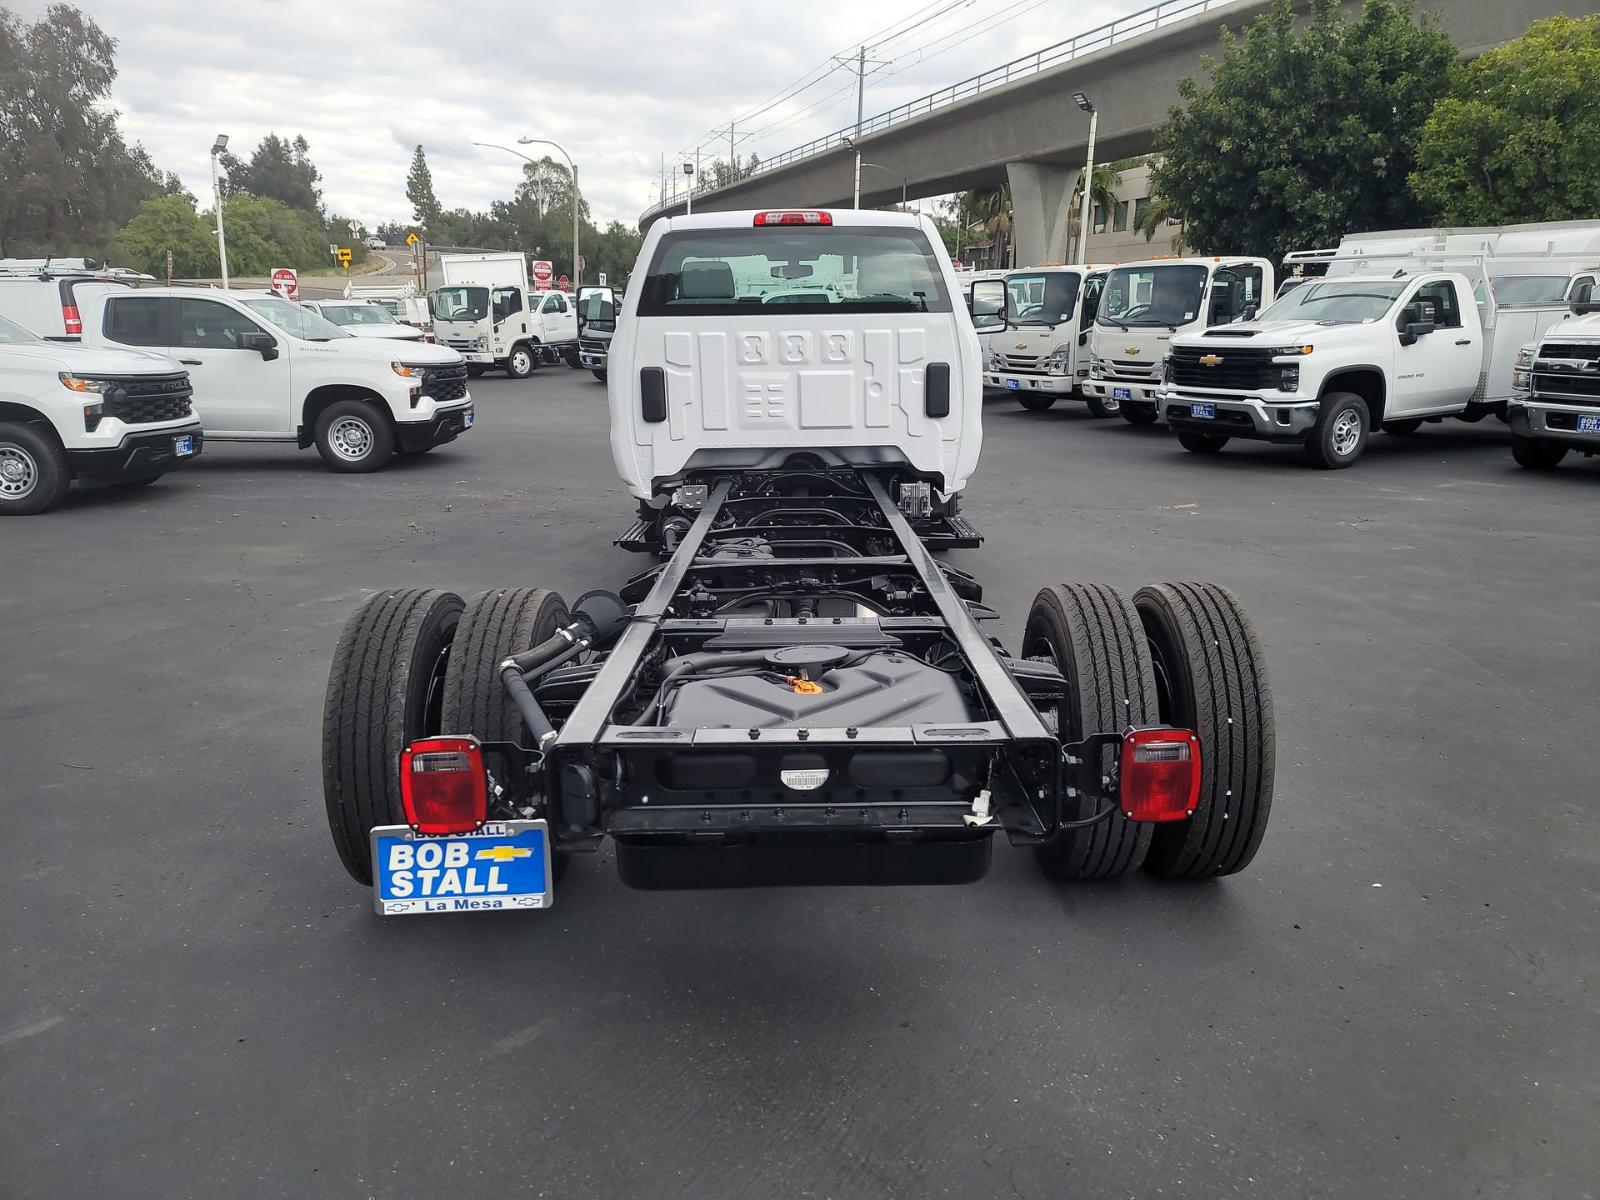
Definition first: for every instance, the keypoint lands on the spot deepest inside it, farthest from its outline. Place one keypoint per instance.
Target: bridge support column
(1041, 210)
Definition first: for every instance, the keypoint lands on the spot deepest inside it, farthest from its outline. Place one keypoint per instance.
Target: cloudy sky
(617, 82)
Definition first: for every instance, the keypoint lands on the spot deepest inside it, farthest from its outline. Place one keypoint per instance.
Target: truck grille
(594, 345)
(1023, 364)
(1238, 369)
(460, 343)
(1568, 372)
(1124, 371)
(148, 399)
(445, 384)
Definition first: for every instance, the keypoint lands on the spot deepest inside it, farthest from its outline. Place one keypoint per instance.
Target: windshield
(1530, 289)
(294, 320)
(1044, 299)
(724, 272)
(1154, 295)
(12, 334)
(1336, 302)
(460, 303)
(357, 314)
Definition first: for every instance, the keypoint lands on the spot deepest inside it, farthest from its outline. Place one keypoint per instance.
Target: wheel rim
(19, 474)
(520, 362)
(350, 438)
(1112, 406)
(1346, 433)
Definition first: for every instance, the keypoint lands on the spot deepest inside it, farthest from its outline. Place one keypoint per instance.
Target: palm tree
(990, 210)
(1102, 195)
(1156, 214)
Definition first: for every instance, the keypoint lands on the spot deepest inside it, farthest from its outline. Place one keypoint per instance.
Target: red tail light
(1159, 779)
(802, 217)
(71, 319)
(443, 785)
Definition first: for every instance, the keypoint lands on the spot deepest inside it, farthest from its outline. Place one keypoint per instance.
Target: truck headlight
(1060, 360)
(404, 371)
(1166, 369)
(995, 361)
(78, 383)
(1289, 378)
(1521, 377)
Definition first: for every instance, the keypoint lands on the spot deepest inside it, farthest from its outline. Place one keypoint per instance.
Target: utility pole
(861, 84)
(733, 166)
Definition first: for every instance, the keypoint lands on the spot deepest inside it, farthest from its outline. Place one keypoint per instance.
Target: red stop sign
(286, 282)
(563, 283)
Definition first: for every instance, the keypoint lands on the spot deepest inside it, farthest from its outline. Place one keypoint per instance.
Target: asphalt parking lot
(1398, 999)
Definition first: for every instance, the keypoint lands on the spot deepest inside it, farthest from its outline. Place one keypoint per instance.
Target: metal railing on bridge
(1134, 25)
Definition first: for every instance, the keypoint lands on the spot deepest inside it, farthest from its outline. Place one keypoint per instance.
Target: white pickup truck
(267, 370)
(1556, 405)
(97, 416)
(1332, 361)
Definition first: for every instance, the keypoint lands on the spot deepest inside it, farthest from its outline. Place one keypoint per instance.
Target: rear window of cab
(802, 269)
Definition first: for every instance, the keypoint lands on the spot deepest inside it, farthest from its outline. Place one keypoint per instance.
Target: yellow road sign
(344, 256)
(412, 239)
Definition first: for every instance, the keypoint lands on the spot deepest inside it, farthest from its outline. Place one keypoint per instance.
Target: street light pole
(217, 148)
(1088, 178)
(577, 263)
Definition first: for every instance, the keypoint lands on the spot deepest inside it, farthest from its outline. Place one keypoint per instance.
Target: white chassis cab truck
(1039, 350)
(1556, 404)
(796, 691)
(265, 369)
(487, 310)
(1146, 305)
(98, 416)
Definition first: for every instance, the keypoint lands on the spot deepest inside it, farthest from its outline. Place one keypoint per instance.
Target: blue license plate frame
(505, 866)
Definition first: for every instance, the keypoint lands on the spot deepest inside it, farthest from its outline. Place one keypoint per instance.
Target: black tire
(1212, 678)
(496, 625)
(1404, 428)
(570, 357)
(1140, 414)
(600, 375)
(1099, 406)
(34, 474)
(1036, 401)
(1202, 443)
(384, 692)
(1340, 434)
(1092, 633)
(1534, 454)
(354, 438)
(522, 361)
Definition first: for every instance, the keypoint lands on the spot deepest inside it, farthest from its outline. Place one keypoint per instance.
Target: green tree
(1519, 138)
(425, 206)
(1102, 199)
(279, 169)
(1304, 133)
(168, 223)
(69, 180)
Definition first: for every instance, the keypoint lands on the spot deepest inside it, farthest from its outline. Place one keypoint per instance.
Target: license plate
(1589, 424)
(1013, 385)
(1122, 393)
(466, 419)
(183, 446)
(1209, 411)
(504, 865)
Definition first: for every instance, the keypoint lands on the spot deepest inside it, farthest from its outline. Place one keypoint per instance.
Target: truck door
(235, 389)
(1093, 287)
(557, 320)
(1235, 290)
(1440, 369)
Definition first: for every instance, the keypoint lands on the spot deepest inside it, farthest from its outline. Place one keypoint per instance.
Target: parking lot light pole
(217, 147)
(860, 166)
(577, 268)
(1088, 178)
(851, 142)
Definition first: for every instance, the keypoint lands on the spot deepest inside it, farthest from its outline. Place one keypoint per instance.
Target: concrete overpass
(1018, 122)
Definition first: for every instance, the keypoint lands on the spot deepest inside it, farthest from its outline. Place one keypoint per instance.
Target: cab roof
(745, 218)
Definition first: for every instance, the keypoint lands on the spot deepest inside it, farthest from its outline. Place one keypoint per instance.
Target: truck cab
(1146, 305)
(1334, 360)
(880, 368)
(1555, 408)
(597, 322)
(1037, 346)
(489, 312)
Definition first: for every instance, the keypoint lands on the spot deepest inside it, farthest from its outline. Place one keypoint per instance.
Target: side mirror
(1583, 301)
(1249, 313)
(260, 341)
(1414, 330)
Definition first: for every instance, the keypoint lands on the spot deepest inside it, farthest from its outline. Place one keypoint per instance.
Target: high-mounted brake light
(71, 319)
(796, 217)
(443, 785)
(1159, 777)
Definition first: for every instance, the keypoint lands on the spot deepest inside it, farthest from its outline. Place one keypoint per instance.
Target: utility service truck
(1396, 332)
(1555, 407)
(1145, 305)
(489, 312)
(1038, 347)
(796, 691)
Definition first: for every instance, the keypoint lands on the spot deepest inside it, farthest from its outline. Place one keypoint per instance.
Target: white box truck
(1038, 349)
(488, 312)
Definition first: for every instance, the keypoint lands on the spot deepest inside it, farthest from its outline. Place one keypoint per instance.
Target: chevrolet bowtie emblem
(1020, 346)
(1211, 360)
(1130, 349)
